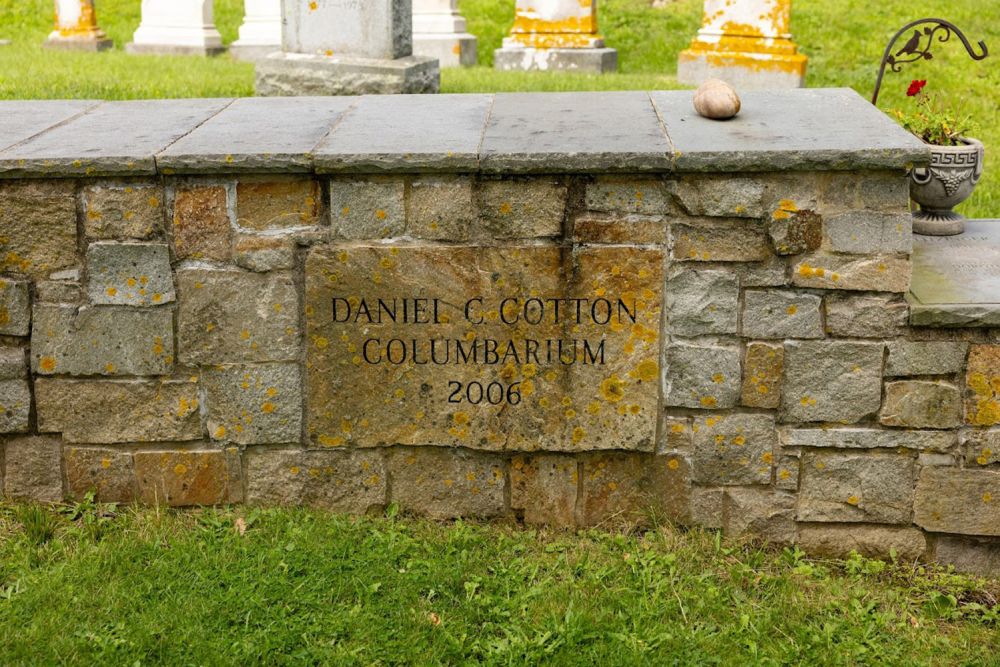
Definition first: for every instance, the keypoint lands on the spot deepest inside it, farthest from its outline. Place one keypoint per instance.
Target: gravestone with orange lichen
(555, 35)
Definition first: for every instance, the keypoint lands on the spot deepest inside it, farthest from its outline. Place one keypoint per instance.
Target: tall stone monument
(260, 34)
(555, 35)
(440, 31)
(747, 43)
(347, 47)
(177, 27)
(76, 27)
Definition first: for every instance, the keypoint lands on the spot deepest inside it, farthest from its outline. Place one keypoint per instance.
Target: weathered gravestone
(346, 47)
(76, 28)
(260, 33)
(555, 35)
(177, 27)
(439, 31)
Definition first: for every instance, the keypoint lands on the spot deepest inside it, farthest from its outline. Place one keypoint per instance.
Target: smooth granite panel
(21, 120)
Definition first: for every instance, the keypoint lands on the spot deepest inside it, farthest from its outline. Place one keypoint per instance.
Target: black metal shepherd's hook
(913, 50)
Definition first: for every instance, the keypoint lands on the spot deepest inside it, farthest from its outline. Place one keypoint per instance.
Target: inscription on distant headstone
(522, 348)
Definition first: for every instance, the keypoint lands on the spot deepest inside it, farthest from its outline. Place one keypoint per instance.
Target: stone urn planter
(948, 181)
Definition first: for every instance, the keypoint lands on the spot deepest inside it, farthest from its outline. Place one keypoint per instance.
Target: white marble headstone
(360, 28)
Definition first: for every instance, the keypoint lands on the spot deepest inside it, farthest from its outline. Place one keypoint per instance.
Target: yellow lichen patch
(220, 432)
(505, 208)
(791, 310)
(109, 368)
(47, 364)
(180, 469)
(853, 500)
(267, 408)
(613, 389)
(673, 464)
(105, 463)
(331, 441)
(708, 401)
(578, 435)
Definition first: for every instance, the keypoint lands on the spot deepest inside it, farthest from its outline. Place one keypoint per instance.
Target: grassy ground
(843, 41)
(88, 586)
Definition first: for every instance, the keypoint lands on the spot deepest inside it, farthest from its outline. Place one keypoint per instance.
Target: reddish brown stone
(277, 204)
(201, 223)
(763, 366)
(982, 380)
(544, 488)
(107, 472)
(634, 488)
(182, 478)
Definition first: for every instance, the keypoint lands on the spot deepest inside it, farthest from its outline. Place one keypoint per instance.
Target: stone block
(38, 223)
(369, 208)
(786, 473)
(889, 191)
(522, 208)
(921, 404)
(772, 273)
(619, 228)
(277, 204)
(776, 314)
(441, 208)
(839, 541)
(966, 502)
(15, 406)
(982, 381)
(733, 449)
(109, 473)
(543, 488)
(702, 302)
(831, 381)
(590, 60)
(102, 341)
(869, 233)
(871, 438)
(980, 557)
(118, 411)
(227, 317)
(625, 487)
(840, 272)
(704, 377)
(707, 240)
(15, 307)
(351, 481)
(765, 513)
(254, 404)
(120, 212)
(129, 274)
(981, 447)
(862, 487)
(706, 506)
(925, 358)
(793, 232)
(264, 253)
(445, 483)
(614, 194)
(299, 74)
(13, 363)
(722, 196)
(865, 316)
(33, 467)
(188, 478)
(202, 229)
(675, 435)
(58, 291)
(763, 368)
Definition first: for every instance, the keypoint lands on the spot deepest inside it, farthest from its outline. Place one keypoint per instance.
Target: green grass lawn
(843, 39)
(245, 586)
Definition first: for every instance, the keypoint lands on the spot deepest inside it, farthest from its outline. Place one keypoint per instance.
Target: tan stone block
(264, 253)
(367, 208)
(981, 447)
(118, 411)
(975, 556)
(441, 208)
(763, 368)
(734, 449)
(15, 406)
(720, 240)
(759, 511)
(872, 541)
(346, 480)
(37, 227)
(706, 506)
(848, 487)
(186, 478)
(522, 208)
(629, 487)
(786, 473)
(34, 469)
(619, 228)
(15, 307)
(130, 211)
(840, 272)
(921, 404)
(445, 483)
(675, 435)
(624, 194)
(982, 381)
(543, 488)
(109, 473)
(254, 404)
(966, 502)
(201, 223)
(277, 204)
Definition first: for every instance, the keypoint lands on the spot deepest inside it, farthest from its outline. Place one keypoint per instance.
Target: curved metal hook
(913, 48)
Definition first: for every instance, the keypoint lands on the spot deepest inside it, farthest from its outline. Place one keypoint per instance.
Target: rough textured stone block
(869, 233)
(982, 381)
(133, 211)
(734, 449)
(883, 274)
(13, 363)
(441, 208)
(37, 227)
(15, 406)
(786, 473)
(793, 232)
(101, 341)
(772, 273)
(543, 488)
(34, 469)
(765, 513)
(675, 435)
(236, 317)
(264, 253)
(634, 488)
(367, 208)
(831, 381)
(982, 447)
(351, 481)
(202, 228)
(838, 541)
(612, 194)
(444, 483)
(865, 316)
(919, 404)
(925, 358)
(763, 367)
(706, 506)
(701, 302)
(129, 274)
(186, 478)
(254, 405)
(870, 438)
(522, 208)
(868, 487)
(619, 228)
(949, 500)
(15, 307)
(888, 191)
(720, 241)
(701, 376)
(58, 291)
(118, 411)
(980, 557)
(722, 196)
(109, 473)
(277, 204)
(781, 314)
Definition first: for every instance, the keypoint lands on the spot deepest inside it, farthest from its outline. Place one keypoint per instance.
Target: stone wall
(168, 338)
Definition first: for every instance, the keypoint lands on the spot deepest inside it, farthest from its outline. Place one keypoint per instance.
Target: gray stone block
(702, 302)
(589, 60)
(925, 358)
(23, 119)
(776, 314)
(133, 211)
(949, 500)
(865, 315)
(761, 512)
(870, 438)
(444, 483)
(920, 404)
(351, 481)
(13, 363)
(295, 74)
(831, 381)
(34, 469)
(15, 307)
(610, 194)
(701, 376)
(868, 232)
(733, 449)
(15, 406)
(129, 274)
(373, 29)
(848, 487)
(441, 208)
(512, 209)
(254, 404)
(369, 208)
(839, 541)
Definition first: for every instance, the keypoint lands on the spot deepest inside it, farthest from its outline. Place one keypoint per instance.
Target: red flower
(915, 87)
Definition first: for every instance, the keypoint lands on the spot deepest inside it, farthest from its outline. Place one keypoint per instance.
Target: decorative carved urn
(946, 183)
